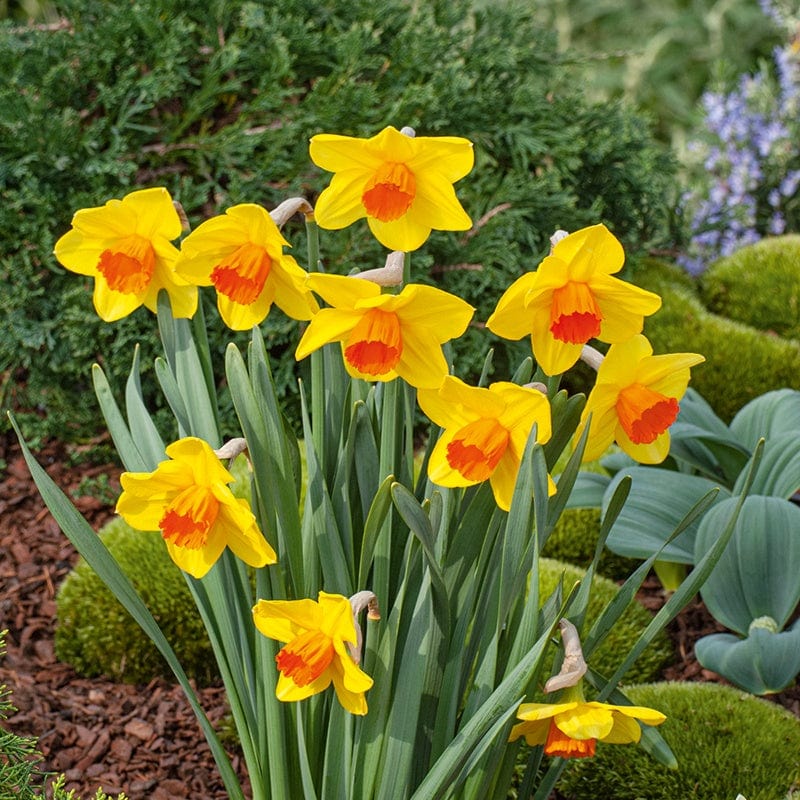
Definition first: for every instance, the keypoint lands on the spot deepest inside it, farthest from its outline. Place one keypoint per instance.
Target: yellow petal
(444, 314)
(535, 731)
(198, 561)
(439, 470)
(242, 534)
(328, 325)
(647, 715)
(625, 731)
(623, 307)
(337, 617)
(352, 701)
(504, 479)
(110, 305)
(448, 157)
(590, 251)
(407, 233)
(285, 619)
(511, 319)
(586, 721)
(621, 364)
(552, 355)
(436, 203)
(242, 317)
(155, 213)
(288, 691)
(339, 205)
(543, 711)
(422, 363)
(78, 253)
(334, 153)
(653, 453)
(200, 460)
(353, 678)
(111, 221)
(291, 294)
(668, 373)
(342, 291)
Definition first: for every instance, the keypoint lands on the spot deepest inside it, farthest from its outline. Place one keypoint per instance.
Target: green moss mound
(574, 539)
(620, 640)
(758, 285)
(726, 742)
(97, 636)
(741, 362)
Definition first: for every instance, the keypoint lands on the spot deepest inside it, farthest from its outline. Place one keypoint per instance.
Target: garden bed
(143, 740)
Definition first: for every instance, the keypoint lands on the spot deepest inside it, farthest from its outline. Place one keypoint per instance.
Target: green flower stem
(317, 357)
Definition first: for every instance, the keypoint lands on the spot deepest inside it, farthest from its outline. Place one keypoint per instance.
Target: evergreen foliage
(217, 102)
(726, 742)
(97, 636)
(758, 285)
(741, 362)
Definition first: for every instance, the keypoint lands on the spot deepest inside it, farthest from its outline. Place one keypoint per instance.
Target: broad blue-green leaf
(779, 471)
(768, 415)
(588, 490)
(763, 663)
(659, 499)
(758, 573)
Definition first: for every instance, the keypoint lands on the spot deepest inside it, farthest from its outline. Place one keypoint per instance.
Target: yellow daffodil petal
(440, 471)
(283, 620)
(289, 692)
(335, 153)
(243, 536)
(586, 721)
(198, 561)
(625, 730)
(155, 213)
(653, 453)
(339, 205)
(511, 319)
(623, 307)
(342, 291)
(290, 291)
(504, 479)
(110, 305)
(647, 715)
(667, 372)
(407, 233)
(437, 205)
(422, 362)
(543, 711)
(337, 616)
(447, 157)
(535, 732)
(444, 314)
(328, 325)
(590, 251)
(552, 355)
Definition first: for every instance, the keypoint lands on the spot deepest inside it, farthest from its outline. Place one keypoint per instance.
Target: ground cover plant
(446, 554)
(218, 106)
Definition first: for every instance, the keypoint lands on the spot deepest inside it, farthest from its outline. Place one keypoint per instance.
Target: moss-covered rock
(726, 742)
(611, 653)
(97, 636)
(758, 285)
(741, 362)
(574, 539)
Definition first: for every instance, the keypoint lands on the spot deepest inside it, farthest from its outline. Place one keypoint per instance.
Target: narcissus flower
(241, 254)
(188, 499)
(571, 298)
(321, 642)
(403, 185)
(571, 729)
(126, 247)
(485, 432)
(635, 400)
(384, 336)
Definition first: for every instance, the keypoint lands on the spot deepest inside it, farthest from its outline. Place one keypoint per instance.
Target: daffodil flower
(572, 729)
(384, 336)
(320, 636)
(403, 185)
(571, 298)
(241, 254)
(485, 432)
(188, 499)
(126, 247)
(635, 400)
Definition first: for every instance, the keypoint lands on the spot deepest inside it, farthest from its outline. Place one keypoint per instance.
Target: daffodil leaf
(172, 394)
(779, 471)
(143, 430)
(91, 547)
(769, 415)
(124, 442)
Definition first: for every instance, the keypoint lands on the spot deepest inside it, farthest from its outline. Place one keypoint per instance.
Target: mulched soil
(143, 740)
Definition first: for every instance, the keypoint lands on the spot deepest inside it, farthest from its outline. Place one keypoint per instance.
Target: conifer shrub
(217, 102)
(726, 743)
(97, 636)
(758, 285)
(741, 362)
(574, 539)
(610, 654)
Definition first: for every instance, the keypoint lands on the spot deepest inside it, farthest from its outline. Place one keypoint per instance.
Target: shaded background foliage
(217, 102)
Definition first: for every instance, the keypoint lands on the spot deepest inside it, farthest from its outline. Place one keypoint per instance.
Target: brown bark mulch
(143, 740)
